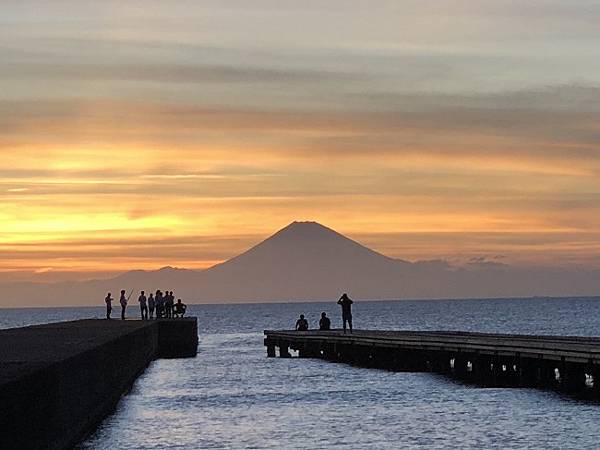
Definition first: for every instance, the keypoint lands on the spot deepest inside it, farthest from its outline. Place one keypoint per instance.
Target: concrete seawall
(58, 381)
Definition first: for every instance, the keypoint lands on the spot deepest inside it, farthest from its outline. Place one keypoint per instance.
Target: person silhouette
(123, 302)
(168, 305)
(151, 305)
(179, 309)
(324, 323)
(143, 305)
(346, 303)
(108, 300)
(170, 302)
(158, 299)
(302, 324)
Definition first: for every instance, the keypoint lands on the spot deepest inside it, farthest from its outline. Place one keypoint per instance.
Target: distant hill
(308, 261)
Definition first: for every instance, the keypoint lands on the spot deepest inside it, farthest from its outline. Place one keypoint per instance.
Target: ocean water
(233, 397)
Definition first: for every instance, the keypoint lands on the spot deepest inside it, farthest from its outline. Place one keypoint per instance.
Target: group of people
(324, 322)
(163, 303)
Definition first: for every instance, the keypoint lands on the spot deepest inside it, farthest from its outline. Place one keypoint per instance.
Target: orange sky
(138, 137)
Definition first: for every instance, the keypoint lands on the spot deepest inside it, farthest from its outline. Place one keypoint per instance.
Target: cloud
(441, 131)
(172, 73)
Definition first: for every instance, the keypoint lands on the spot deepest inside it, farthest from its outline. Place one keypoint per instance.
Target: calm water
(232, 396)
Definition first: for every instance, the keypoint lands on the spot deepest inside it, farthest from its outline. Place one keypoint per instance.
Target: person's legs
(108, 309)
(344, 319)
(350, 322)
(122, 312)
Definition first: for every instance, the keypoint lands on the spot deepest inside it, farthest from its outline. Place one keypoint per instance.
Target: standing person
(324, 323)
(172, 303)
(166, 301)
(159, 303)
(143, 305)
(169, 304)
(301, 324)
(346, 304)
(151, 305)
(123, 302)
(108, 300)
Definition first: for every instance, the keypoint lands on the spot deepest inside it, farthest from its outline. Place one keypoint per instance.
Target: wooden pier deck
(570, 364)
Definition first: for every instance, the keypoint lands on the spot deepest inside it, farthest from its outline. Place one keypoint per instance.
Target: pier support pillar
(594, 371)
(284, 351)
(511, 372)
(528, 373)
(346, 353)
(330, 351)
(460, 366)
(271, 350)
(411, 361)
(309, 350)
(481, 369)
(573, 377)
(439, 362)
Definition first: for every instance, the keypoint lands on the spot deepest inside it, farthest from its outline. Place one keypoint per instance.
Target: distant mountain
(308, 261)
(303, 261)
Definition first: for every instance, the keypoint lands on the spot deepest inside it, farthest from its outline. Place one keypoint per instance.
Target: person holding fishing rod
(123, 302)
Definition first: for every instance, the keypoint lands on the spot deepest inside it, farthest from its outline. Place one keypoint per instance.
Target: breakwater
(568, 364)
(59, 380)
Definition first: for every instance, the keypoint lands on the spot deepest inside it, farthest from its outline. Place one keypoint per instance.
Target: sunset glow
(181, 134)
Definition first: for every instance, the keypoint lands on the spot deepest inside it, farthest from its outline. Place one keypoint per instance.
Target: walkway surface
(27, 349)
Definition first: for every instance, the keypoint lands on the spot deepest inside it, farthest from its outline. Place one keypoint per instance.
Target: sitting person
(302, 324)
(179, 309)
(324, 323)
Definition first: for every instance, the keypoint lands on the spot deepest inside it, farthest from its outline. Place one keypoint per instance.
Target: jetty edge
(565, 363)
(58, 381)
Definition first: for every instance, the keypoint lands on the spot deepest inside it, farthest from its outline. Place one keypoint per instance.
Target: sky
(140, 134)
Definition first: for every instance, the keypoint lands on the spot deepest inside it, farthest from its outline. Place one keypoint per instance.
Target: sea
(231, 396)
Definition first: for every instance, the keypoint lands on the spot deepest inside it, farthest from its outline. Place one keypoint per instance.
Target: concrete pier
(568, 364)
(58, 381)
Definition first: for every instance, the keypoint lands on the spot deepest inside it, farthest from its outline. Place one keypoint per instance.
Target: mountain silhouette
(308, 261)
(304, 260)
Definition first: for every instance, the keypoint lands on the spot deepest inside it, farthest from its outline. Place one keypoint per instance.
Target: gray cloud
(171, 73)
